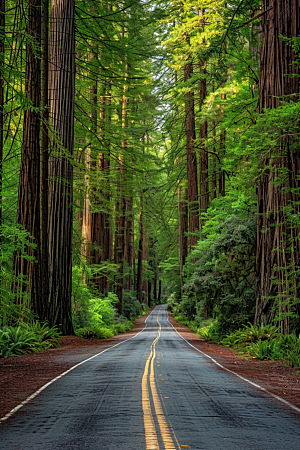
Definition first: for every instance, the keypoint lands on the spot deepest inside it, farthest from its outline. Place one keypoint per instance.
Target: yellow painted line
(164, 429)
(150, 431)
(149, 424)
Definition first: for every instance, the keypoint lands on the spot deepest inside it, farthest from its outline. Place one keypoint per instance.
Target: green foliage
(220, 271)
(251, 335)
(95, 333)
(27, 338)
(13, 239)
(209, 333)
(265, 342)
(131, 308)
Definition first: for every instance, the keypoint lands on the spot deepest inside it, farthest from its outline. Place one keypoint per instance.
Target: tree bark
(2, 60)
(222, 153)
(191, 159)
(182, 233)
(214, 166)
(140, 257)
(203, 155)
(28, 214)
(44, 153)
(277, 243)
(61, 101)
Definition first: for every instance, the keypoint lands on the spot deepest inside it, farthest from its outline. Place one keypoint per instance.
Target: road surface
(151, 392)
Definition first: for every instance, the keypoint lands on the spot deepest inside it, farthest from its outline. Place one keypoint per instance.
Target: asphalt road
(151, 392)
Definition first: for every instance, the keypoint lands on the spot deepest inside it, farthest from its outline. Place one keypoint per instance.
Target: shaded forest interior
(149, 152)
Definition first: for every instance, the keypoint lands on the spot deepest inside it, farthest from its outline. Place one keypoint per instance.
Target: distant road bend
(151, 392)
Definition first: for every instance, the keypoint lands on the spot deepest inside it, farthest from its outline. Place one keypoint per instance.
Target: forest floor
(22, 376)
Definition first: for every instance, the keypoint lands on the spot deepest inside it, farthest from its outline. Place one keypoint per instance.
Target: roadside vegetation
(94, 317)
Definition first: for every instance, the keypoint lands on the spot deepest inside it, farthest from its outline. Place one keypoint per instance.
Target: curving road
(152, 391)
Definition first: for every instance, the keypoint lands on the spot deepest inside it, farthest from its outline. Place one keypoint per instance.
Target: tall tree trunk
(275, 255)
(191, 159)
(2, 61)
(61, 101)
(203, 155)
(182, 233)
(28, 214)
(139, 281)
(159, 291)
(222, 153)
(214, 166)
(44, 153)
(146, 258)
(120, 233)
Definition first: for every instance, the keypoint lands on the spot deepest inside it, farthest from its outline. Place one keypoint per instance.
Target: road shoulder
(21, 376)
(270, 375)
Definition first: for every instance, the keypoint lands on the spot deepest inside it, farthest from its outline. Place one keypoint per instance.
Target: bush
(250, 334)
(265, 342)
(123, 325)
(27, 338)
(95, 333)
(131, 307)
(209, 332)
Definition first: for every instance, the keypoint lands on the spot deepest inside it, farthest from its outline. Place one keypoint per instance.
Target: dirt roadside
(22, 376)
(271, 375)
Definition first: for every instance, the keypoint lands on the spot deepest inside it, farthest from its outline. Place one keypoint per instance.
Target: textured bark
(127, 200)
(28, 214)
(191, 159)
(139, 281)
(214, 166)
(61, 101)
(155, 286)
(145, 258)
(120, 234)
(44, 153)
(2, 54)
(222, 153)
(272, 232)
(182, 233)
(159, 292)
(203, 155)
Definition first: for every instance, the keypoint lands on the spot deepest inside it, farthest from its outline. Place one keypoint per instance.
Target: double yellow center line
(149, 424)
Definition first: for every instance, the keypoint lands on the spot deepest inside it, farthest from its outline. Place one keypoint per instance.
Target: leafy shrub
(131, 307)
(182, 319)
(209, 333)
(268, 349)
(250, 334)
(44, 332)
(95, 333)
(265, 342)
(124, 326)
(27, 338)
(220, 272)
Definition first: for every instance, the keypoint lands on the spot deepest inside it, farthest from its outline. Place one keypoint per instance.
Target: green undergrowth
(27, 338)
(96, 316)
(260, 342)
(103, 332)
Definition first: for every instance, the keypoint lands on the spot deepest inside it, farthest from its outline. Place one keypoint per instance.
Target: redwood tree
(28, 214)
(191, 158)
(61, 101)
(275, 255)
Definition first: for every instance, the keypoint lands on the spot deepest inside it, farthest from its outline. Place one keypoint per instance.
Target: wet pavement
(152, 391)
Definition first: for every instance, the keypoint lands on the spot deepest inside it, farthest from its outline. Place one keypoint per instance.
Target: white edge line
(32, 396)
(237, 375)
